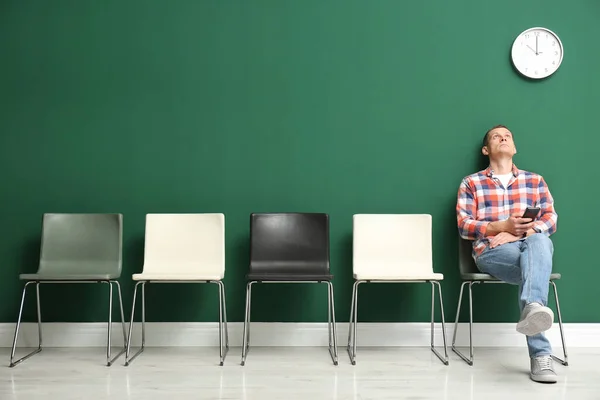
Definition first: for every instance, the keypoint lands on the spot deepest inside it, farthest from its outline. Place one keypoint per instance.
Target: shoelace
(545, 363)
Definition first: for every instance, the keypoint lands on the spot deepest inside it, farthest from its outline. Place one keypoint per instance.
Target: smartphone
(531, 212)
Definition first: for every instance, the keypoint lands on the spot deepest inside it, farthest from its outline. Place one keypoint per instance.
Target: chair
(393, 248)
(471, 275)
(290, 248)
(77, 248)
(183, 248)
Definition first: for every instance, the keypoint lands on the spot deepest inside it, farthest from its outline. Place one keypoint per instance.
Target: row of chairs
(284, 248)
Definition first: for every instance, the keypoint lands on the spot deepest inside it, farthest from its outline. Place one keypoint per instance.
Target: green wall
(343, 107)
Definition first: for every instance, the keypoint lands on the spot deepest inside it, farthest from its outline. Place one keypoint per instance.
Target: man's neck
(501, 167)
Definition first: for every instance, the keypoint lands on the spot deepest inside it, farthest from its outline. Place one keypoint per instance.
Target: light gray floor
(293, 373)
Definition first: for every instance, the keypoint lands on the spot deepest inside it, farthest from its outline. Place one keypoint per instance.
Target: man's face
(500, 143)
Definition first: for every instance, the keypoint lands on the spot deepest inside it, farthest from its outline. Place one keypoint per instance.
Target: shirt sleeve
(466, 213)
(546, 224)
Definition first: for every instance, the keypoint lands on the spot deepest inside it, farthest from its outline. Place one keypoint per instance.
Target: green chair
(471, 275)
(77, 248)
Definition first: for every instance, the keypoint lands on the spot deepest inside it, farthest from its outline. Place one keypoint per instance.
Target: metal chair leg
(332, 328)
(457, 315)
(123, 323)
(329, 317)
(249, 315)
(564, 361)
(442, 359)
(109, 360)
(350, 320)
(471, 353)
(129, 360)
(225, 318)
(14, 346)
(108, 342)
(454, 349)
(353, 323)
(220, 325)
(223, 347)
(461, 355)
(246, 335)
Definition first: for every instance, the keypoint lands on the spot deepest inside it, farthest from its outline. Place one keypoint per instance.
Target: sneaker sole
(544, 378)
(536, 322)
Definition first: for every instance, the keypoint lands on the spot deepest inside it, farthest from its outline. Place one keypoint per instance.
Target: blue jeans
(527, 263)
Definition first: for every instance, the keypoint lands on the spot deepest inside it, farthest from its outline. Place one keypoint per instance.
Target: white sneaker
(542, 369)
(535, 319)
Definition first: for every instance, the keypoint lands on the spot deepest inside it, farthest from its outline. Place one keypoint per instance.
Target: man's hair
(485, 138)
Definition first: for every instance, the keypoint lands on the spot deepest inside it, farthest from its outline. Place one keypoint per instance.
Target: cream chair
(183, 248)
(393, 248)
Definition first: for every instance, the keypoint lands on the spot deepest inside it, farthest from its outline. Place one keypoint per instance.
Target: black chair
(471, 275)
(290, 248)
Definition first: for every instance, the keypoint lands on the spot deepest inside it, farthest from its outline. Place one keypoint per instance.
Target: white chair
(183, 248)
(393, 248)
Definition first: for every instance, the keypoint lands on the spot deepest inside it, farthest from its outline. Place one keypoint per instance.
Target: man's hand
(502, 238)
(517, 226)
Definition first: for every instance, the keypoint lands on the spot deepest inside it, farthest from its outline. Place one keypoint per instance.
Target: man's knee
(541, 240)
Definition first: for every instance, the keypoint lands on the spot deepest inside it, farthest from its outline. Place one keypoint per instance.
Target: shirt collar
(489, 172)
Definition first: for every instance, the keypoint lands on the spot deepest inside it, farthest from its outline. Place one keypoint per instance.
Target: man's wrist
(529, 232)
(495, 228)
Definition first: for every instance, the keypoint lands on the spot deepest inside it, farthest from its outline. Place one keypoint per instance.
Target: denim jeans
(527, 263)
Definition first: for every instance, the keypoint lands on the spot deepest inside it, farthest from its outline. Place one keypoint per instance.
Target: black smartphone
(531, 212)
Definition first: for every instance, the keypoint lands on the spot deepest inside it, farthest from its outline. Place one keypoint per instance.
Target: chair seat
(295, 277)
(68, 277)
(389, 277)
(176, 277)
(487, 277)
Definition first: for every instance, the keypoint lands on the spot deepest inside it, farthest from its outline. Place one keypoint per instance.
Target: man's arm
(466, 212)
(495, 228)
(546, 224)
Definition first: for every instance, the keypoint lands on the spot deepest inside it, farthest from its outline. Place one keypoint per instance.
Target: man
(513, 249)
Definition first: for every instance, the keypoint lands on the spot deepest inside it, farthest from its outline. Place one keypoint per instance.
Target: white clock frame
(537, 53)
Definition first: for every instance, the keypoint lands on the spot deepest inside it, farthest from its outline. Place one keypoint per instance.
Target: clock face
(537, 53)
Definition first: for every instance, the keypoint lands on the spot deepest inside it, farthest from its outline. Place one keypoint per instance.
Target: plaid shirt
(482, 199)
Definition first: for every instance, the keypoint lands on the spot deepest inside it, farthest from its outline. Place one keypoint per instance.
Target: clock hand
(531, 48)
(536, 46)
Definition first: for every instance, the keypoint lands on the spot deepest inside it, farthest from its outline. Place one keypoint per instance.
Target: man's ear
(484, 151)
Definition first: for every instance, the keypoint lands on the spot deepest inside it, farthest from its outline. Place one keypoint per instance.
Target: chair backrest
(185, 244)
(465, 257)
(82, 244)
(389, 244)
(295, 243)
